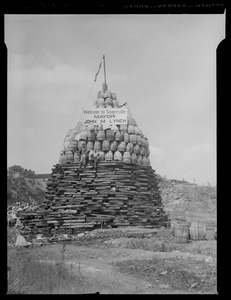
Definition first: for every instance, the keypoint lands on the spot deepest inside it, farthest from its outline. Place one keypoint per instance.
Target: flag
(98, 70)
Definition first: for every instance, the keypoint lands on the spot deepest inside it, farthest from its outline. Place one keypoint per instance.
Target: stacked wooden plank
(117, 193)
(122, 191)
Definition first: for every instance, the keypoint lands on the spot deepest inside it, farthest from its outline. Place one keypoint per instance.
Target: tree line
(25, 172)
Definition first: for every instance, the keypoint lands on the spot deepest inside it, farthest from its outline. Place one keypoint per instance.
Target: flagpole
(104, 66)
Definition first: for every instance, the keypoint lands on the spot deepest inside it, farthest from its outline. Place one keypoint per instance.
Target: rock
(21, 241)
(193, 285)
(164, 273)
(164, 286)
(39, 236)
(80, 234)
(209, 259)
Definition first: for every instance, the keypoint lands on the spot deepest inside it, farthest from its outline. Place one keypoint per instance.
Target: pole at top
(104, 66)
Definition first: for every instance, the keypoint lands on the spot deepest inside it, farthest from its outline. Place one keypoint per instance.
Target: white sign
(95, 116)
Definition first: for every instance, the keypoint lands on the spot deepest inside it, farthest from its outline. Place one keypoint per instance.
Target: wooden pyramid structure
(120, 191)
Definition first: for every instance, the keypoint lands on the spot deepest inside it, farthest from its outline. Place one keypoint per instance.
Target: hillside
(177, 196)
(187, 197)
(25, 190)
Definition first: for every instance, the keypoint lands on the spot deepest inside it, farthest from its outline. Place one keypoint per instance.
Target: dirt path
(96, 264)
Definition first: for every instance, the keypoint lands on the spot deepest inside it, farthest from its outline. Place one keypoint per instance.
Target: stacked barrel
(124, 142)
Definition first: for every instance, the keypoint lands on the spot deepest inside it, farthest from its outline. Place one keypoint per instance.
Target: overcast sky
(164, 66)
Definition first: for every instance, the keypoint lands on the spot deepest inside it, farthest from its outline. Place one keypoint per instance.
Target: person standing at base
(96, 160)
(83, 155)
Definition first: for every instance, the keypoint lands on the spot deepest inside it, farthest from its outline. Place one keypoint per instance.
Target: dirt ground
(124, 265)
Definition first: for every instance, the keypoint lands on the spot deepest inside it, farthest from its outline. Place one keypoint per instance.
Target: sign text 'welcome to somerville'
(105, 115)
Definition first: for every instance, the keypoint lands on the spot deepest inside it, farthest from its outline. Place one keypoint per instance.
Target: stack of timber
(116, 193)
(121, 191)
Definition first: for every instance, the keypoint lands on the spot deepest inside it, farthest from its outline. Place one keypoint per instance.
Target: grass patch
(44, 278)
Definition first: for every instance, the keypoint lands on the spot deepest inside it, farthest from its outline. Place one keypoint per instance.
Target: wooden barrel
(136, 129)
(97, 146)
(119, 136)
(108, 101)
(106, 126)
(77, 137)
(139, 140)
(83, 128)
(131, 121)
(107, 94)
(110, 135)
(134, 158)
(72, 137)
(83, 135)
(147, 143)
(181, 232)
(109, 156)
(131, 129)
(100, 135)
(90, 127)
(62, 158)
(69, 156)
(140, 160)
(129, 147)
(82, 144)
(100, 102)
(136, 149)
(90, 145)
(142, 151)
(144, 140)
(102, 155)
(100, 126)
(145, 162)
(123, 127)
(113, 96)
(113, 146)
(91, 135)
(76, 157)
(126, 137)
(127, 157)
(115, 103)
(121, 147)
(78, 127)
(66, 144)
(105, 145)
(74, 145)
(118, 156)
(101, 94)
(114, 128)
(197, 231)
(132, 138)
(147, 152)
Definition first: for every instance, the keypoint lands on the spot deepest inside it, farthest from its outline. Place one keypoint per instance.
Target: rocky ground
(132, 260)
(184, 197)
(142, 261)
